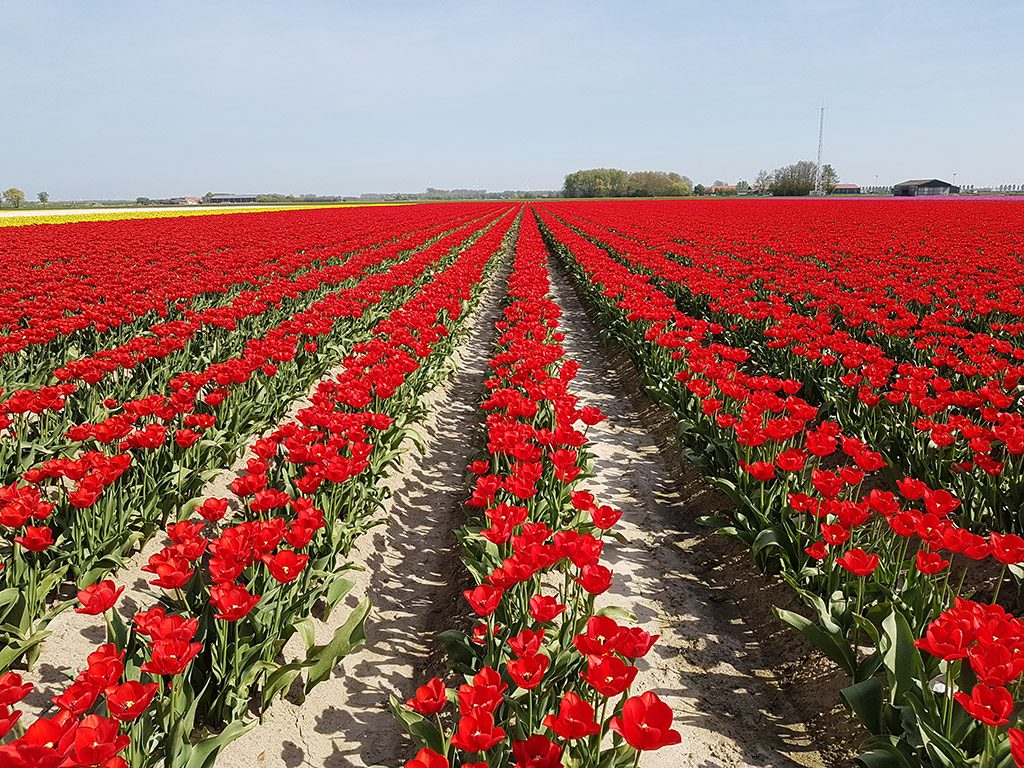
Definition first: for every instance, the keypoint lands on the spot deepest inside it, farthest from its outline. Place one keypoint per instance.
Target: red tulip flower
(646, 723)
(575, 718)
(1016, 746)
(477, 732)
(172, 569)
(170, 657)
(1007, 549)
(991, 706)
(129, 700)
(608, 675)
(544, 608)
(96, 740)
(232, 601)
(97, 598)
(213, 510)
(538, 751)
(35, 539)
(484, 599)
(285, 566)
(930, 563)
(595, 579)
(762, 471)
(428, 758)
(12, 689)
(429, 699)
(7, 719)
(528, 671)
(858, 562)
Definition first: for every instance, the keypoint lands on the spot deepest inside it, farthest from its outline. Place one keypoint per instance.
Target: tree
(657, 184)
(143, 201)
(596, 182)
(829, 179)
(718, 183)
(14, 197)
(794, 180)
(742, 186)
(44, 197)
(699, 190)
(763, 181)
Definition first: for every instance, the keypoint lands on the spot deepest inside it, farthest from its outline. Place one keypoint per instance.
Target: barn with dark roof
(924, 187)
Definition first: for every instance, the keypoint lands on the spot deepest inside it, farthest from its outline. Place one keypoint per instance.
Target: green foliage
(829, 178)
(794, 180)
(613, 182)
(14, 197)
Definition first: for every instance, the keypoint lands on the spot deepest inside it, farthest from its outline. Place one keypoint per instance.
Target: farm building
(846, 189)
(921, 187)
(231, 198)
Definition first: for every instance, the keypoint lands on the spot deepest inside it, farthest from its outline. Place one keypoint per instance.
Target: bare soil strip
(414, 579)
(724, 687)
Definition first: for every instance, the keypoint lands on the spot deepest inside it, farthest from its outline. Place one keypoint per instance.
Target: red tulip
(97, 598)
(858, 562)
(992, 706)
(429, 699)
(1016, 746)
(646, 723)
(930, 563)
(129, 700)
(7, 719)
(484, 599)
(12, 689)
(538, 751)
(608, 675)
(477, 732)
(170, 657)
(575, 718)
(35, 539)
(213, 510)
(1007, 549)
(285, 566)
(528, 671)
(97, 740)
(428, 758)
(595, 579)
(232, 601)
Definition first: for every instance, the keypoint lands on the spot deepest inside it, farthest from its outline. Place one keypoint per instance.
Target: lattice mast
(818, 187)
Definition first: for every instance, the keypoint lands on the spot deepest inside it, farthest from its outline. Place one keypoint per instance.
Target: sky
(112, 99)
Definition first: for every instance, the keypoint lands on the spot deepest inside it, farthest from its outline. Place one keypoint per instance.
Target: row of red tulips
(88, 283)
(951, 420)
(873, 567)
(148, 363)
(546, 676)
(178, 682)
(158, 451)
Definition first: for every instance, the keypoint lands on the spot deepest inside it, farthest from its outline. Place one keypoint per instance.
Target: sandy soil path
(413, 577)
(708, 664)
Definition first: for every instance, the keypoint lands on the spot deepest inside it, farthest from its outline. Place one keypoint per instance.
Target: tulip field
(202, 418)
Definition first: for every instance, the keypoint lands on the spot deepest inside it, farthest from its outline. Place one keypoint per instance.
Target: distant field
(20, 218)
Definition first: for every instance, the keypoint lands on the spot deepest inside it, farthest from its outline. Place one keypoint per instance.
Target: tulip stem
(999, 583)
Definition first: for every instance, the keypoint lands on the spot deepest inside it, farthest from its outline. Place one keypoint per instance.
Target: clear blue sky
(120, 99)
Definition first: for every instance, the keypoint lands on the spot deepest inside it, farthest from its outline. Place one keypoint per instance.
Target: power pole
(818, 187)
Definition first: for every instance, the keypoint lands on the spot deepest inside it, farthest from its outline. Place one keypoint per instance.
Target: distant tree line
(613, 182)
(796, 180)
(15, 198)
